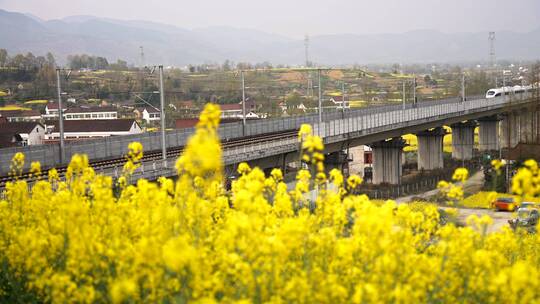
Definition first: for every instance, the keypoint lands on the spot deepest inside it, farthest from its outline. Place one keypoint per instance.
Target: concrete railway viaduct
(503, 123)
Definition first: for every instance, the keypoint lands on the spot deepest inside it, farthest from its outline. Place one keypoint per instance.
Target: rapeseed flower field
(81, 240)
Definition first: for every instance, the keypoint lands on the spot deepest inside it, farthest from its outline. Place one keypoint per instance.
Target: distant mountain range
(171, 45)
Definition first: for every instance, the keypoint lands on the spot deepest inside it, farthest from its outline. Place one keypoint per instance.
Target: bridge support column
(525, 129)
(509, 130)
(489, 133)
(463, 140)
(536, 130)
(528, 126)
(504, 130)
(387, 162)
(430, 149)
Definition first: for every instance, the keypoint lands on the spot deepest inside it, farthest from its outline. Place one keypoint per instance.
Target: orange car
(504, 204)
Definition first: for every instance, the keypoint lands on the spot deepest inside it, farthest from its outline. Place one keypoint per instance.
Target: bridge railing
(335, 122)
(393, 116)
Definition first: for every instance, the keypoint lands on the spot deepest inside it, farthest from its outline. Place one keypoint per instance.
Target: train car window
(490, 93)
(498, 94)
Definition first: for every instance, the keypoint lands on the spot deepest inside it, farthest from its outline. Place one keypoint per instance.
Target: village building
(92, 113)
(235, 110)
(81, 129)
(231, 110)
(10, 140)
(285, 107)
(25, 133)
(51, 110)
(21, 115)
(187, 107)
(148, 114)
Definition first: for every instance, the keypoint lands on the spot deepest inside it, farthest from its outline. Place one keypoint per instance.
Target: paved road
(474, 184)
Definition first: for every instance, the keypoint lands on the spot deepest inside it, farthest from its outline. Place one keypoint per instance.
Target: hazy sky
(296, 17)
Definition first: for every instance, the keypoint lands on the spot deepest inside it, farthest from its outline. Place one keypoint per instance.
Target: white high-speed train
(496, 92)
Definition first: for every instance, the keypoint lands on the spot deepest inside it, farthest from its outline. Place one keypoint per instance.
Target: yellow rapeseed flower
(305, 131)
(460, 175)
(84, 240)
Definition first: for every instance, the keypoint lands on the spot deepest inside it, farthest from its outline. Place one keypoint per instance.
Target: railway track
(156, 155)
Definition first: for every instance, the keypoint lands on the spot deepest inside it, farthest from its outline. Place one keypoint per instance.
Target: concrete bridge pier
(525, 126)
(510, 126)
(536, 125)
(489, 133)
(528, 126)
(430, 149)
(463, 140)
(503, 130)
(387, 161)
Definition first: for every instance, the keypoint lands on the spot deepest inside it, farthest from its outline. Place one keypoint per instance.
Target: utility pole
(60, 117)
(414, 89)
(403, 95)
(320, 99)
(310, 85)
(343, 98)
(504, 86)
(142, 68)
(162, 109)
(463, 87)
(243, 104)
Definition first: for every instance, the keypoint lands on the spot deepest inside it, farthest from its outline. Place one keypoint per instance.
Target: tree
(395, 68)
(427, 79)
(41, 62)
(477, 83)
(31, 61)
(74, 62)
(19, 61)
(3, 57)
(120, 65)
(294, 100)
(50, 60)
(101, 63)
(226, 65)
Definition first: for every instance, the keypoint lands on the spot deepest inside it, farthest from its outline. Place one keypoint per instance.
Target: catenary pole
(162, 110)
(343, 97)
(463, 87)
(414, 89)
(60, 117)
(504, 86)
(403, 95)
(320, 99)
(243, 103)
